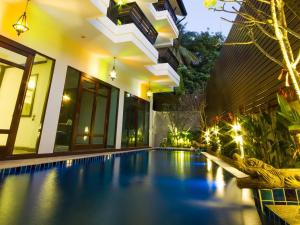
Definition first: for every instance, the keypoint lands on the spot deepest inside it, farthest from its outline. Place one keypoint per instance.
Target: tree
(184, 56)
(197, 53)
(267, 18)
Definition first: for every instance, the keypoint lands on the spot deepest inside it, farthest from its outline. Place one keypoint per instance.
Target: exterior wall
(53, 38)
(47, 37)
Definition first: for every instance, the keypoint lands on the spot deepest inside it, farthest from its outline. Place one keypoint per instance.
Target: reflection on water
(48, 198)
(182, 163)
(149, 188)
(220, 183)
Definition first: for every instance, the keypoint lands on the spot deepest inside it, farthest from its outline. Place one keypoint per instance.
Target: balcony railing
(167, 56)
(131, 13)
(162, 5)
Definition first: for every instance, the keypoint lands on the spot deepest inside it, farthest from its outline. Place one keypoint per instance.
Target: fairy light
(238, 137)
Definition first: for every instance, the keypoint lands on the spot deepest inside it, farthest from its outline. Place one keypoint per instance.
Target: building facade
(58, 90)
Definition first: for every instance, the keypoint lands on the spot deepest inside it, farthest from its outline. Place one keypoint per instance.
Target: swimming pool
(142, 188)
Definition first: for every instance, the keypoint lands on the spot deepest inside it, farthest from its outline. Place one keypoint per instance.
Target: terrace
(167, 56)
(132, 13)
(162, 5)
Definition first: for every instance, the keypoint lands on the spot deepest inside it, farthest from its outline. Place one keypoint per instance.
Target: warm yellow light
(238, 139)
(207, 136)
(21, 25)
(113, 74)
(220, 183)
(66, 98)
(121, 2)
(181, 141)
(209, 165)
(86, 130)
(247, 196)
(207, 139)
(69, 163)
(216, 130)
(31, 84)
(149, 93)
(207, 133)
(236, 127)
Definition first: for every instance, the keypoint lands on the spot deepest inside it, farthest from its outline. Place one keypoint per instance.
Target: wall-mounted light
(31, 84)
(149, 92)
(66, 98)
(113, 72)
(21, 25)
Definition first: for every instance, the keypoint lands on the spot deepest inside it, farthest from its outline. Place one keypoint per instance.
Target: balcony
(162, 5)
(131, 13)
(167, 56)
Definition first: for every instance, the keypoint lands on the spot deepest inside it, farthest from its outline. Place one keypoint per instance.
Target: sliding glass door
(25, 77)
(88, 114)
(15, 66)
(92, 114)
(135, 132)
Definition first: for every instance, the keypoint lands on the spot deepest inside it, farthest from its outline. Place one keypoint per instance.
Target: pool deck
(6, 164)
(235, 172)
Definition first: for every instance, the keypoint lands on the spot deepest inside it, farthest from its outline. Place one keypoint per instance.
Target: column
(120, 120)
(48, 133)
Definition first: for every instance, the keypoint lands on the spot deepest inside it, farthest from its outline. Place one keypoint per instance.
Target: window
(67, 111)
(32, 115)
(135, 131)
(88, 114)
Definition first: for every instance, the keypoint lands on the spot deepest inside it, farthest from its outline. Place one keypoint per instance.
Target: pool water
(142, 188)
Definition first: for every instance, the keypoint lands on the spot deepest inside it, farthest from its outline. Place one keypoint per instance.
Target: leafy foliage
(197, 53)
(229, 147)
(268, 139)
(289, 116)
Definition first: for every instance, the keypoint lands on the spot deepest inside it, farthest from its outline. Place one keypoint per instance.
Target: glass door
(15, 66)
(92, 115)
(99, 133)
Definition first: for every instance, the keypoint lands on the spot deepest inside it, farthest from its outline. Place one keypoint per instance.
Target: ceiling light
(21, 25)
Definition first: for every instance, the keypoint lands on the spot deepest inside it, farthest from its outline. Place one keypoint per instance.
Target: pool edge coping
(234, 171)
(9, 164)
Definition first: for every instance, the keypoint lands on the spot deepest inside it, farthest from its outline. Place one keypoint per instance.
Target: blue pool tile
(290, 195)
(280, 203)
(266, 195)
(279, 194)
(268, 203)
(292, 203)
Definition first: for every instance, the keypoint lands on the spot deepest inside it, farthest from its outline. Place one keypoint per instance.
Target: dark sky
(200, 18)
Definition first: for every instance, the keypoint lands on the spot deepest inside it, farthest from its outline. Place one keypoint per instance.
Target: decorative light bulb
(66, 98)
(113, 74)
(149, 93)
